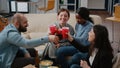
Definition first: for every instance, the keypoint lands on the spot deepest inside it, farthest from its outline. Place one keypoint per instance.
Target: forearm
(16, 39)
(79, 46)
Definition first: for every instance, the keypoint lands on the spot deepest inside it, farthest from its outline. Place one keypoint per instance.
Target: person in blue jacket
(11, 40)
(82, 27)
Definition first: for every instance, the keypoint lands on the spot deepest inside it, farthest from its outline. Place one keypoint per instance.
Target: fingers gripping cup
(53, 29)
(65, 31)
(59, 34)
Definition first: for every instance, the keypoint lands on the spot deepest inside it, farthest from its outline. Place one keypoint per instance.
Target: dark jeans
(77, 57)
(75, 66)
(64, 52)
(20, 61)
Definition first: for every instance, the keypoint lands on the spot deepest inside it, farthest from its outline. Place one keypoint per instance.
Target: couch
(39, 23)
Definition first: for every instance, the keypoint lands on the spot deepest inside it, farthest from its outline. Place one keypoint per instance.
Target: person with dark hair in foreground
(100, 50)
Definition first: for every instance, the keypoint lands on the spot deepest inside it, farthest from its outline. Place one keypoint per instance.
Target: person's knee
(59, 51)
(83, 56)
(21, 62)
(77, 57)
(32, 52)
(74, 60)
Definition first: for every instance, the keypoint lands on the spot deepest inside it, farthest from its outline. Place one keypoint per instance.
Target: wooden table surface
(113, 19)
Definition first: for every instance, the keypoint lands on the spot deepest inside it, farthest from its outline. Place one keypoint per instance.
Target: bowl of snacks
(45, 63)
(53, 67)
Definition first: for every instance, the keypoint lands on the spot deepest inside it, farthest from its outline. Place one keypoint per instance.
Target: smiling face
(20, 22)
(23, 24)
(91, 37)
(63, 17)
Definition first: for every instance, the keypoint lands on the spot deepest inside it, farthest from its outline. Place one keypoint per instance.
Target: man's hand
(54, 39)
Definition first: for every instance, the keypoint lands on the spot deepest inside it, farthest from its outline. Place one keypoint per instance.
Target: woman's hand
(70, 38)
(84, 64)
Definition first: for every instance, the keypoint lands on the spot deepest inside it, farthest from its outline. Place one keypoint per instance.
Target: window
(17, 6)
(22, 7)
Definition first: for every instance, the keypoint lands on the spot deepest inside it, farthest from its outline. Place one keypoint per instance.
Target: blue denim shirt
(82, 32)
(11, 40)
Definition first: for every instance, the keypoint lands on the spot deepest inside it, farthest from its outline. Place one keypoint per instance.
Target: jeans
(63, 52)
(77, 57)
(20, 61)
(75, 66)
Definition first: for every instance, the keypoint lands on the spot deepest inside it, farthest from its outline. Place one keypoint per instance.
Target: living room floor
(113, 28)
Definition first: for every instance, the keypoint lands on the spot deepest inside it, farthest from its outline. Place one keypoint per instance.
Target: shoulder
(105, 54)
(89, 23)
(10, 29)
(68, 25)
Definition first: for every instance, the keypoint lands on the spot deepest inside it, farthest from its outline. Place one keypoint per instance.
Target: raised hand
(54, 39)
(70, 38)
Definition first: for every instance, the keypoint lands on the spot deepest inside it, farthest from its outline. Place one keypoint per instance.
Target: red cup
(53, 29)
(59, 31)
(65, 31)
(59, 34)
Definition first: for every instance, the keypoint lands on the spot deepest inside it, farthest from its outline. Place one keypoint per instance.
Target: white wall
(83, 3)
(96, 4)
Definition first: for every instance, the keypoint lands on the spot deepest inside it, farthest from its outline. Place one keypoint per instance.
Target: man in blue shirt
(11, 40)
